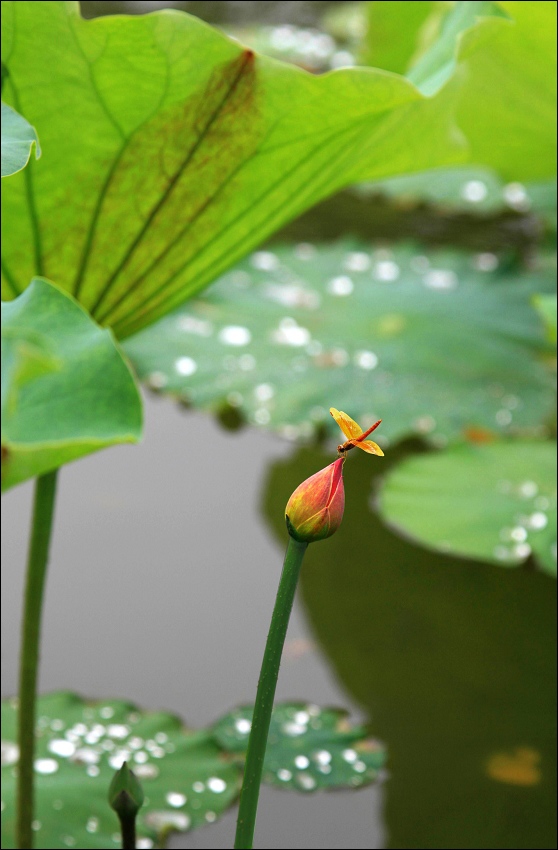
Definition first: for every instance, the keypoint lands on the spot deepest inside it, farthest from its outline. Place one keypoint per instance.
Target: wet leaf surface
(186, 779)
(189, 778)
(493, 502)
(309, 748)
(435, 343)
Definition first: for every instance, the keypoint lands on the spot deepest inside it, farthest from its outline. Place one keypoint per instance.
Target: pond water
(163, 547)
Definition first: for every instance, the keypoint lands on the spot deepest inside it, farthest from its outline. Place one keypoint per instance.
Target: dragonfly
(357, 437)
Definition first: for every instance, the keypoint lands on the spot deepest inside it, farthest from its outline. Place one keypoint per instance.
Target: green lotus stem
(128, 832)
(41, 528)
(265, 694)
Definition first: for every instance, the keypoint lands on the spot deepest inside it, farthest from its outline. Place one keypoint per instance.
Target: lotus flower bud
(315, 509)
(125, 794)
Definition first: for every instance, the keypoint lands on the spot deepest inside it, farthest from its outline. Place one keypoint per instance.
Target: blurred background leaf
(476, 190)
(394, 33)
(546, 305)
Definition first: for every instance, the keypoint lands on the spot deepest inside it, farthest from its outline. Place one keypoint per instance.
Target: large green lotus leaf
(494, 502)
(187, 779)
(171, 151)
(66, 389)
(434, 345)
(18, 138)
(309, 748)
(454, 661)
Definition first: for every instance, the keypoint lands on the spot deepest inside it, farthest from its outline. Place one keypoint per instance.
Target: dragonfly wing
(368, 446)
(349, 427)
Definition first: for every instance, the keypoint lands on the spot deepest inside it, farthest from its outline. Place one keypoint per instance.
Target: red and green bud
(315, 509)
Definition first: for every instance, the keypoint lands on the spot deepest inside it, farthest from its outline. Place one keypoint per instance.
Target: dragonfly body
(357, 437)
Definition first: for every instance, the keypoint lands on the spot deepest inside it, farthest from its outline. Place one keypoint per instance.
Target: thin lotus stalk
(41, 529)
(313, 512)
(266, 693)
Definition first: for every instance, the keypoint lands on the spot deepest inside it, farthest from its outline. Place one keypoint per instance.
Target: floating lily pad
(66, 389)
(495, 502)
(434, 344)
(186, 779)
(18, 138)
(309, 748)
(189, 778)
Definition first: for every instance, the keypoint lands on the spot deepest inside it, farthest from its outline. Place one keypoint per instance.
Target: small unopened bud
(125, 793)
(315, 509)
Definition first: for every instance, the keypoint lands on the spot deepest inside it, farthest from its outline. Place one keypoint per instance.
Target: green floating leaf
(433, 344)
(495, 502)
(173, 151)
(66, 390)
(18, 138)
(189, 777)
(185, 776)
(309, 748)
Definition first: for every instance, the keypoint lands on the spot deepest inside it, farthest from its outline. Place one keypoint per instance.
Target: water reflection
(453, 660)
